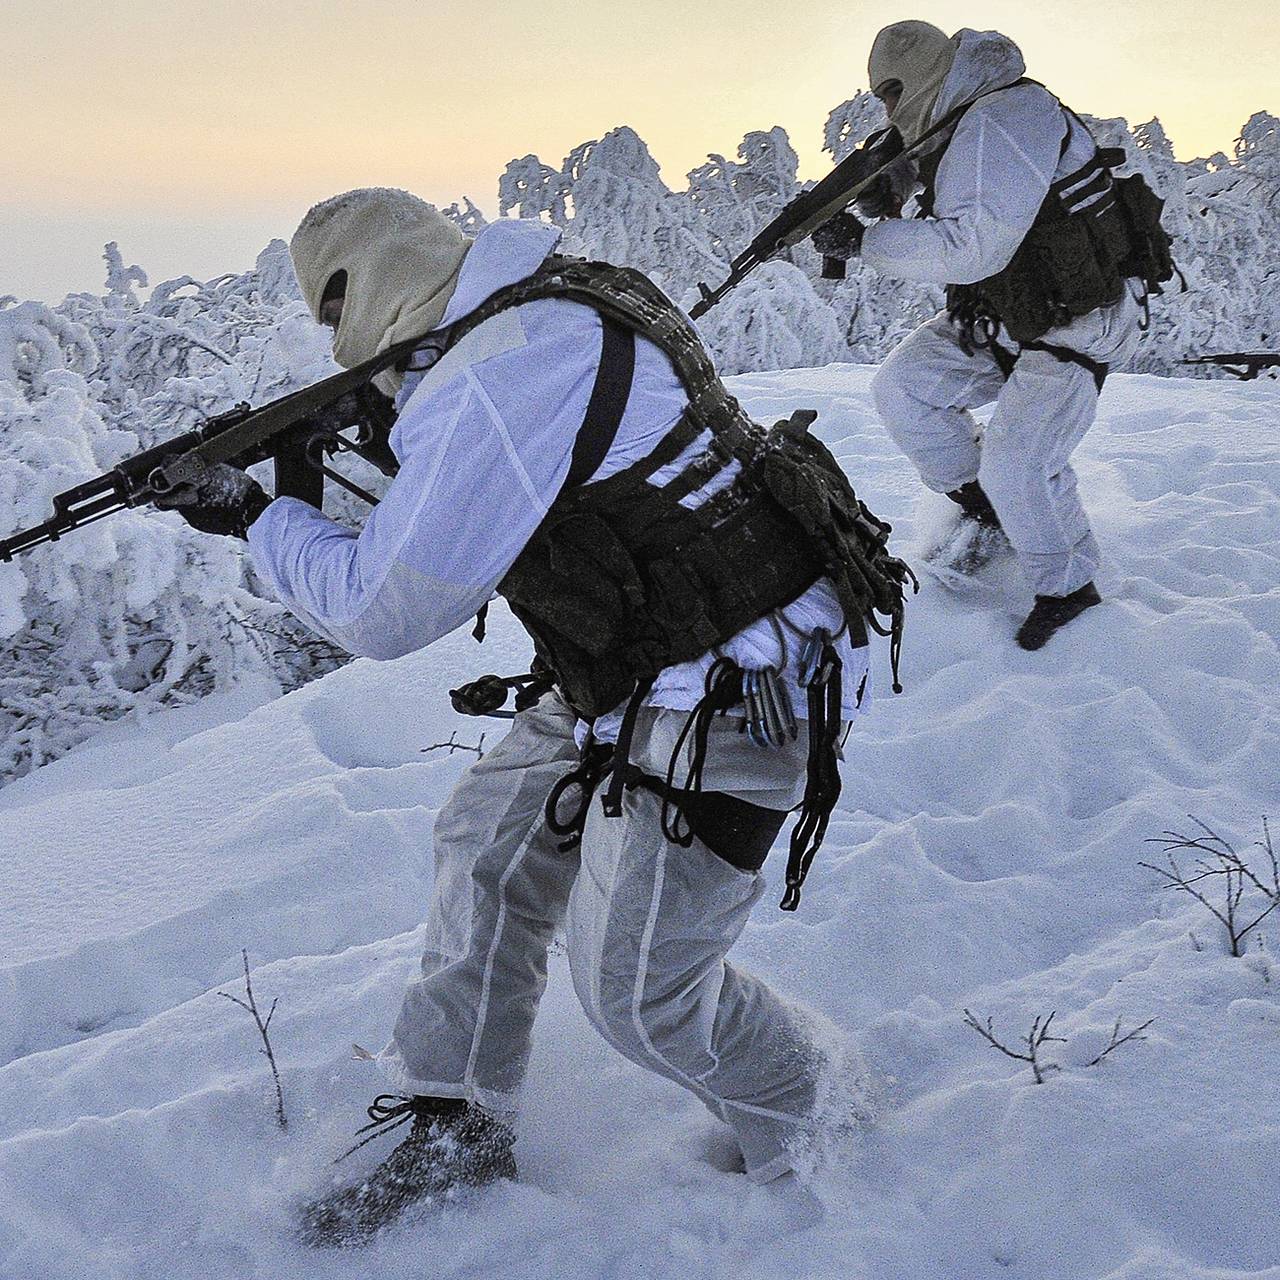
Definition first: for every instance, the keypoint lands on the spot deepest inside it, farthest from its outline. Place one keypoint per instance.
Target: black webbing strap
(608, 401)
(620, 776)
(1007, 360)
(1067, 356)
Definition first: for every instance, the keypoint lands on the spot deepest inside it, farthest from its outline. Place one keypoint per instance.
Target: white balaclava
(920, 56)
(402, 258)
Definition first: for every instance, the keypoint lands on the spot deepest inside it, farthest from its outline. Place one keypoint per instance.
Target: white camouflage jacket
(1000, 161)
(484, 440)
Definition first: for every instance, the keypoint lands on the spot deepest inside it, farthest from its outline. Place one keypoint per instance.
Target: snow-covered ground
(985, 855)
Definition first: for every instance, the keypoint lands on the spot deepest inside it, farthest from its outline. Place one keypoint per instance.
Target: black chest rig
(624, 577)
(1092, 234)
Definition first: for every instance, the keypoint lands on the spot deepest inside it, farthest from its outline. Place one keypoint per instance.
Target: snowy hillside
(984, 856)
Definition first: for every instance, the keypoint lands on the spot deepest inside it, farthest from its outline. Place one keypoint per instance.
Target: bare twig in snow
(1035, 1039)
(1262, 962)
(1219, 861)
(250, 1005)
(454, 745)
(1117, 1040)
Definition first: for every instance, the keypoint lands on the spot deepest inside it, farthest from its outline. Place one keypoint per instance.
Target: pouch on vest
(1151, 246)
(1062, 270)
(624, 577)
(804, 478)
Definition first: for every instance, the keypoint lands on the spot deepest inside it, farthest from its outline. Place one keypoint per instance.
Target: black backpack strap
(608, 401)
(1068, 356)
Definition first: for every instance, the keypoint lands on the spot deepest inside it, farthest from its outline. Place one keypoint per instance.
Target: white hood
(402, 258)
(984, 61)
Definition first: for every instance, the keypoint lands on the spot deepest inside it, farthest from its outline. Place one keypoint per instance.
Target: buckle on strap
(594, 767)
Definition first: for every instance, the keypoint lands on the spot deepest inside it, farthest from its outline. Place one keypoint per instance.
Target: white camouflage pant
(648, 925)
(926, 388)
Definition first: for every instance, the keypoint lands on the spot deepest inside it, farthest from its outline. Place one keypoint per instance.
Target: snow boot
(451, 1146)
(974, 541)
(1053, 612)
(971, 498)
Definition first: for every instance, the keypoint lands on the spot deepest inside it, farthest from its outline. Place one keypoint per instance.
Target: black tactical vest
(621, 579)
(1092, 234)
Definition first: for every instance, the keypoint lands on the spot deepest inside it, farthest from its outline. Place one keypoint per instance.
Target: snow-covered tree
(467, 217)
(530, 189)
(852, 123)
(735, 199)
(139, 611)
(774, 319)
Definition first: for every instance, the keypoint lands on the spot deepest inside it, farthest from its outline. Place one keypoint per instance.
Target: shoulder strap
(608, 401)
(953, 116)
(634, 302)
(930, 163)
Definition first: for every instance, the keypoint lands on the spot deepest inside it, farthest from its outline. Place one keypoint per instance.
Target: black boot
(1052, 612)
(973, 541)
(452, 1145)
(973, 501)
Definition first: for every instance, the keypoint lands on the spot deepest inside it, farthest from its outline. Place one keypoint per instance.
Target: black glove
(224, 500)
(885, 197)
(880, 200)
(840, 237)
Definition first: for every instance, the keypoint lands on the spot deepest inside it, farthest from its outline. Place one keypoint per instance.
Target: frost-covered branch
(250, 1005)
(1218, 866)
(477, 748)
(1117, 1040)
(1034, 1040)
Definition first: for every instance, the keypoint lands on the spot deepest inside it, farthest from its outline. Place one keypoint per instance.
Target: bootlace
(390, 1111)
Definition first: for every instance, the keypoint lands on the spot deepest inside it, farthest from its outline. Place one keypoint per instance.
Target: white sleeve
(482, 459)
(990, 186)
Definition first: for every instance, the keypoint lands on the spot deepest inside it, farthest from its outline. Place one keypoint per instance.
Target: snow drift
(984, 856)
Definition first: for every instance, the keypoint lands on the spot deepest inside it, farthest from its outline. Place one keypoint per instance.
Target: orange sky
(193, 130)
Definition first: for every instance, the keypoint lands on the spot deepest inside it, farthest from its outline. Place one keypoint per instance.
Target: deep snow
(984, 855)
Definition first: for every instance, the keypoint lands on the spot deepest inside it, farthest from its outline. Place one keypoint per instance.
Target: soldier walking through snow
(698, 592)
(1043, 255)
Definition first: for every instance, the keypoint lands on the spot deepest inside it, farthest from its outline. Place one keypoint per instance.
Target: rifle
(810, 209)
(299, 431)
(839, 189)
(1250, 363)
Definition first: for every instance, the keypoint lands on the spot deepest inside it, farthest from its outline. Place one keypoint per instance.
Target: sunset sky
(192, 131)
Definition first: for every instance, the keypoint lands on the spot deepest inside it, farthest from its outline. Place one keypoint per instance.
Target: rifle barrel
(53, 529)
(1250, 363)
